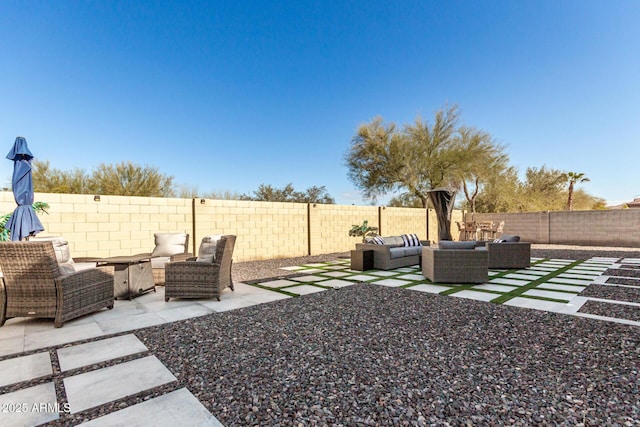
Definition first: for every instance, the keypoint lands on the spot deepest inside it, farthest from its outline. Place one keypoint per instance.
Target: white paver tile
(533, 272)
(104, 385)
(476, 295)
(265, 296)
(129, 323)
(56, 336)
(569, 281)
(304, 289)
(337, 283)
(99, 351)
(549, 294)
(413, 277)
(308, 279)
(362, 278)
(537, 304)
(25, 368)
(561, 287)
(336, 274)
(507, 281)
(11, 345)
(177, 408)
(569, 275)
(37, 406)
(493, 287)
(391, 282)
(383, 273)
(293, 268)
(277, 283)
(187, 312)
(230, 304)
(426, 287)
(527, 277)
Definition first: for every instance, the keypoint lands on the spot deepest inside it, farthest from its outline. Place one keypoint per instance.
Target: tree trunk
(570, 200)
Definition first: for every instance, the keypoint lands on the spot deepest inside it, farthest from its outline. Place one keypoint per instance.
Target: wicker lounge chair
(202, 277)
(35, 286)
(507, 255)
(455, 265)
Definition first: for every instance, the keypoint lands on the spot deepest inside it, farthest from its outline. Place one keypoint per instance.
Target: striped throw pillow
(377, 240)
(411, 240)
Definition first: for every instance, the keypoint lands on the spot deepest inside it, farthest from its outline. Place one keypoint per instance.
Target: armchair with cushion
(35, 285)
(455, 262)
(507, 252)
(205, 276)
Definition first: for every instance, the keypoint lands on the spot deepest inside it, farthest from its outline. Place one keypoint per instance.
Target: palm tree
(574, 178)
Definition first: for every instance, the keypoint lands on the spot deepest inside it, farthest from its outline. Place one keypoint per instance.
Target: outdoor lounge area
(298, 339)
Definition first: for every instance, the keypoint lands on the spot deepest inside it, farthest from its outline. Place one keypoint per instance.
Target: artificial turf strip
(517, 292)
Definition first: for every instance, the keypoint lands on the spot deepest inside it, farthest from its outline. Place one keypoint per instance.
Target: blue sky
(228, 95)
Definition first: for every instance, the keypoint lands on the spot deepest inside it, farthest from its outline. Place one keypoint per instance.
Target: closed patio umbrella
(443, 200)
(23, 222)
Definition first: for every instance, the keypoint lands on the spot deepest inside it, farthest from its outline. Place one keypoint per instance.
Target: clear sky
(228, 95)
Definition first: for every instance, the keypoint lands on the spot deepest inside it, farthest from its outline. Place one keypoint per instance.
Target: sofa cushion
(397, 252)
(207, 251)
(394, 241)
(411, 240)
(447, 244)
(413, 250)
(509, 238)
(168, 244)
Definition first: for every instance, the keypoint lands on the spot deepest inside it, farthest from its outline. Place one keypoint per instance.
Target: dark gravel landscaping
(618, 311)
(619, 293)
(371, 355)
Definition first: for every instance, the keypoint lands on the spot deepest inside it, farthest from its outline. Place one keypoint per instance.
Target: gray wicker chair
(506, 255)
(201, 279)
(455, 265)
(170, 247)
(34, 285)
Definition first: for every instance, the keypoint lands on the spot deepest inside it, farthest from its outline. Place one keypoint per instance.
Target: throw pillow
(377, 240)
(207, 251)
(499, 241)
(411, 240)
(168, 244)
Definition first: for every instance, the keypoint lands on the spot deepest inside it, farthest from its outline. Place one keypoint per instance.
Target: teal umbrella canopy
(23, 221)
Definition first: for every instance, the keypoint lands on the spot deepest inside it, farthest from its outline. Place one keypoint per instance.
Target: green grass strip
(522, 289)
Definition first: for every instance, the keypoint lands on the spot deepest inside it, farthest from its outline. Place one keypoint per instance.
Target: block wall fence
(615, 227)
(123, 225)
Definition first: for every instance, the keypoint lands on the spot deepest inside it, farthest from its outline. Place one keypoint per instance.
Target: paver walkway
(96, 371)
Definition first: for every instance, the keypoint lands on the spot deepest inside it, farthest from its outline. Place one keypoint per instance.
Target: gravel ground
(617, 311)
(376, 356)
(618, 293)
(371, 355)
(623, 281)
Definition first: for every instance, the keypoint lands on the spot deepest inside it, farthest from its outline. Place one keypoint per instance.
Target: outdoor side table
(361, 260)
(132, 275)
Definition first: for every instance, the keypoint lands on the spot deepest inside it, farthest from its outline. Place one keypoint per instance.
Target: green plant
(363, 230)
(39, 207)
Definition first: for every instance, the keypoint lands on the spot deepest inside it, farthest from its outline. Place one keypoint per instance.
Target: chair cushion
(60, 246)
(509, 238)
(447, 244)
(207, 251)
(168, 244)
(160, 262)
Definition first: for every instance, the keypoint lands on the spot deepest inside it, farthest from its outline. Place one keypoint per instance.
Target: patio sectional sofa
(394, 251)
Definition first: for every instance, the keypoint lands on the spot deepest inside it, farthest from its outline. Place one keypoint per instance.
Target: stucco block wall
(264, 230)
(330, 225)
(396, 221)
